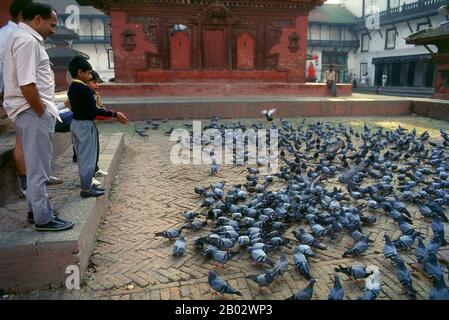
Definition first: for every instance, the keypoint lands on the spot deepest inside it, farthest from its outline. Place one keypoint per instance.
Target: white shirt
(26, 62)
(4, 35)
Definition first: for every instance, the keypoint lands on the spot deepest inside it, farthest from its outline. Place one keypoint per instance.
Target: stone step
(31, 260)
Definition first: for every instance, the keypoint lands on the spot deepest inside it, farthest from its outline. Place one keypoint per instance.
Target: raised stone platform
(221, 89)
(31, 260)
(235, 107)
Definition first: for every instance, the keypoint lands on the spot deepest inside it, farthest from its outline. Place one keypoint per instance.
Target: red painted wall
(133, 65)
(128, 62)
(245, 52)
(294, 62)
(180, 48)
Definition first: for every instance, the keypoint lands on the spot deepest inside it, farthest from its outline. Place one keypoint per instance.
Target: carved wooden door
(214, 52)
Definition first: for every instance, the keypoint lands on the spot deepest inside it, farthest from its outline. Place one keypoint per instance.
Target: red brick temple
(215, 42)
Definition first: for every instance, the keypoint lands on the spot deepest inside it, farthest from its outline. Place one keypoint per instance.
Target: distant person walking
(28, 101)
(384, 80)
(330, 80)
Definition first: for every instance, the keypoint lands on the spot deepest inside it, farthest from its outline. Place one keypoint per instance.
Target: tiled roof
(424, 36)
(332, 13)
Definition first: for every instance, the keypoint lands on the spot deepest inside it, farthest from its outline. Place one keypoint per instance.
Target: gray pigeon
(263, 280)
(432, 266)
(390, 251)
(356, 272)
(260, 256)
(220, 285)
(169, 234)
(281, 266)
(404, 277)
(179, 247)
(421, 252)
(304, 294)
(305, 250)
(439, 290)
(301, 264)
(336, 292)
(357, 249)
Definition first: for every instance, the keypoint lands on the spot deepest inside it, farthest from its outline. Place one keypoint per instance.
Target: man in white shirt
(15, 10)
(28, 101)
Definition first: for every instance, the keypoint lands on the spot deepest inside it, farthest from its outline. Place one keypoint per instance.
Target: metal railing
(92, 38)
(334, 43)
(415, 10)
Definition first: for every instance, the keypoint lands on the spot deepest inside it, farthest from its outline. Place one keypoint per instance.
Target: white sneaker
(100, 173)
(95, 182)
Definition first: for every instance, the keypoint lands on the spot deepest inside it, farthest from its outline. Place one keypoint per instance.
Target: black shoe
(30, 217)
(55, 224)
(92, 193)
(98, 188)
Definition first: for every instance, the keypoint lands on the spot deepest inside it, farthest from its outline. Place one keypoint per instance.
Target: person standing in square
(28, 101)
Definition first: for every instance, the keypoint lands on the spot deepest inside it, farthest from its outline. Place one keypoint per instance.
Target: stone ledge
(30, 260)
(240, 109)
(8, 177)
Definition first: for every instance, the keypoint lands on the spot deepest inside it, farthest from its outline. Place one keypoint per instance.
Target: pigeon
(169, 234)
(179, 247)
(404, 242)
(269, 114)
(281, 266)
(308, 239)
(434, 244)
(439, 291)
(220, 285)
(304, 294)
(372, 284)
(421, 252)
(359, 248)
(438, 229)
(221, 256)
(336, 292)
(260, 256)
(432, 266)
(195, 225)
(404, 277)
(263, 280)
(301, 264)
(305, 250)
(390, 251)
(189, 215)
(356, 272)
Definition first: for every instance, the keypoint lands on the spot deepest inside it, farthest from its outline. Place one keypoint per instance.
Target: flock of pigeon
(332, 181)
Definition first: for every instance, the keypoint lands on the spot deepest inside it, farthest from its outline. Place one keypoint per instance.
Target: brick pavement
(149, 194)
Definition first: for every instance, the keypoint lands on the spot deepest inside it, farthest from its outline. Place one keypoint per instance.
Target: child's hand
(122, 118)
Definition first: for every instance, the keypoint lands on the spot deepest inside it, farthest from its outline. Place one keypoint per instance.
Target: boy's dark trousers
(85, 142)
(75, 159)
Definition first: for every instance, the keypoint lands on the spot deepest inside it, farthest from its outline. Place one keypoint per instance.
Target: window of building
(365, 42)
(390, 39)
(110, 59)
(335, 33)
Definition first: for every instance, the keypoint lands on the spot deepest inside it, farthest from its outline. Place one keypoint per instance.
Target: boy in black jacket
(83, 129)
